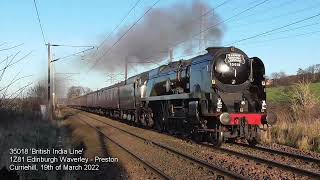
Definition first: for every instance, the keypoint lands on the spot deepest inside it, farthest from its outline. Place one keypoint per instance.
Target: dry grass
(298, 121)
(304, 136)
(303, 103)
(24, 132)
(22, 126)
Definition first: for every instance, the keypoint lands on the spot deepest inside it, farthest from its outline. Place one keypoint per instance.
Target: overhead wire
(74, 46)
(123, 35)
(210, 10)
(259, 21)
(121, 21)
(263, 11)
(202, 15)
(228, 19)
(295, 28)
(285, 37)
(223, 21)
(274, 29)
(39, 21)
(279, 32)
(73, 54)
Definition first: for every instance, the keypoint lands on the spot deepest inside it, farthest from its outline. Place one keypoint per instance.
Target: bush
(20, 132)
(21, 125)
(303, 102)
(298, 119)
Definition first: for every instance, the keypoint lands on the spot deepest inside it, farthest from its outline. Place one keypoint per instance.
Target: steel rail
(197, 160)
(273, 163)
(293, 155)
(146, 163)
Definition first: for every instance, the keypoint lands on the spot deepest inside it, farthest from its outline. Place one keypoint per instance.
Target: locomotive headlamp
(225, 118)
(263, 105)
(219, 105)
(271, 118)
(223, 68)
(243, 103)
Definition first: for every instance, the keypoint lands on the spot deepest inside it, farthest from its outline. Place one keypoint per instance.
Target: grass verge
(298, 112)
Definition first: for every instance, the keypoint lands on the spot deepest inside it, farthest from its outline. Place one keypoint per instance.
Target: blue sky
(79, 22)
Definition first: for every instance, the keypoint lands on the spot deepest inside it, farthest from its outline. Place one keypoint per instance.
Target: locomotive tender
(214, 97)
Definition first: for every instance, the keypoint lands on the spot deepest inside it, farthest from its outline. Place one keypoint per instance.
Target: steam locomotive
(215, 97)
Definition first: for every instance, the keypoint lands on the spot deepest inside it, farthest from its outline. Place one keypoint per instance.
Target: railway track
(291, 168)
(308, 173)
(224, 172)
(292, 155)
(143, 161)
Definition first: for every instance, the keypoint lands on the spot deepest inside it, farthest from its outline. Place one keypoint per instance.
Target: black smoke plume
(160, 30)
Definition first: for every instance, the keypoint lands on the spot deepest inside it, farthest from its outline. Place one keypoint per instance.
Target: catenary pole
(49, 93)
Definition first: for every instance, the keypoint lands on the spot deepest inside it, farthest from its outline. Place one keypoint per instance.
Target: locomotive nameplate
(234, 59)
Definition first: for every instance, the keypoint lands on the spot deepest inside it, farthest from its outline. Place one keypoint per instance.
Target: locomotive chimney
(170, 55)
(126, 70)
(213, 50)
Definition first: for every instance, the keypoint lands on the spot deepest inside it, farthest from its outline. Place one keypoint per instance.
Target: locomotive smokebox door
(231, 67)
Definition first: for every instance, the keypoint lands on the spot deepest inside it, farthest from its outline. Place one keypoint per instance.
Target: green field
(304, 132)
(281, 95)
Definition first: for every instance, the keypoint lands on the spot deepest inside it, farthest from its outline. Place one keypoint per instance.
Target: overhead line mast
(50, 58)
(50, 61)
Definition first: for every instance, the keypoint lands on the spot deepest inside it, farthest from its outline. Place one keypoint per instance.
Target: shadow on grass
(93, 142)
(10, 175)
(106, 170)
(68, 114)
(23, 131)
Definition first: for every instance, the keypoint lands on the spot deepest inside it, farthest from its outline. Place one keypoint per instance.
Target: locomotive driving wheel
(216, 137)
(196, 136)
(255, 137)
(144, 117)
(161, 117)
(159, 122)
(147, 117)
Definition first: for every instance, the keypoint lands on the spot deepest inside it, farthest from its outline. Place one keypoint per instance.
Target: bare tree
(311, 73)
(279, 78)
(317, 71)
(7, 96)
(275, 76)
(282, 74)
(283, 80)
